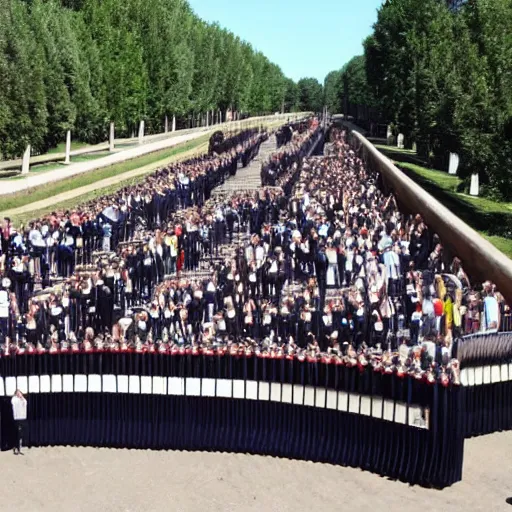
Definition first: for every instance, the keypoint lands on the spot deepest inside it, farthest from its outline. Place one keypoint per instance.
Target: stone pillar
(25, 165)
(474, 189)
(389, 136)
(173, 123)
(111, 138)
(454, 163)
(213, 117)
(67, 160)
(207, 119)
(141, 132)
(166, 125)
(400, 141)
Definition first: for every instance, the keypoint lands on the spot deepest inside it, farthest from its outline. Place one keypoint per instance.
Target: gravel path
(109, 480)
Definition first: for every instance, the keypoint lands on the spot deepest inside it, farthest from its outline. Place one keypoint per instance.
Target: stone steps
(250, 177)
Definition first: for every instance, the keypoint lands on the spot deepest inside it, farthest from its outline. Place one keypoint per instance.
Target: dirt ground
(104, 480)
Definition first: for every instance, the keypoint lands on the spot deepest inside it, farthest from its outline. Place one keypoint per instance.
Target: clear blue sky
(304, 37)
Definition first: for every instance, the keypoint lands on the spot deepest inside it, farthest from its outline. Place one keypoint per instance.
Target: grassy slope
(32, 195)
(443, 186)
(61, 148)
(89, 193)
(188, 149)
(60, 165)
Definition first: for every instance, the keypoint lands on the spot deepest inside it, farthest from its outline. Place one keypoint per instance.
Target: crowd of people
(285, 133)
(286, 160)
(318, 266)
(54, 246)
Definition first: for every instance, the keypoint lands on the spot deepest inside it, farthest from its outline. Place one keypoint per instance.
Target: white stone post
(67, 160)
(400, 141)
(207, 119)
(454, 163)
(25, 165)
(141, 132)
(474, 189)
(111, 138)
(389, 136)
(166, 125)
(173, 123)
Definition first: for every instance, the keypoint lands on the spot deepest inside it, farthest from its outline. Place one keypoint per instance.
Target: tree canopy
(311, 95)
(441, 73)
(79, 64)
(348, 85)
(333, 92)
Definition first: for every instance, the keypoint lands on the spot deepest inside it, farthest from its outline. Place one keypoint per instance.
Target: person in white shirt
(19, 413)
(4, 309)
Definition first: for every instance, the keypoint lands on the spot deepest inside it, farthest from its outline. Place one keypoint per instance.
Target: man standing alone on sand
(19, 412)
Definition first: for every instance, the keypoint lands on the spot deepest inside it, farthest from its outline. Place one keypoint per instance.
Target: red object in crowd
(181, 260)
(438, 307)
(178, 230)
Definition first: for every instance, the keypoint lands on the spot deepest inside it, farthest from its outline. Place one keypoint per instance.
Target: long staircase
(250, 177)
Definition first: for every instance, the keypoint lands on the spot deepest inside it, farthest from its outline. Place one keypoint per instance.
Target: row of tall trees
(79, 64)
(441, 72)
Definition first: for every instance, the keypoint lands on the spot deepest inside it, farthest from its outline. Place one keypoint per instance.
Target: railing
(287, 408)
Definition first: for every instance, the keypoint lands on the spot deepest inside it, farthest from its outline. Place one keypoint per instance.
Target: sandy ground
(89, 479)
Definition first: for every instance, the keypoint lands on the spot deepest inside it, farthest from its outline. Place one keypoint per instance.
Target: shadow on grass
(403, 155)
(494, 223)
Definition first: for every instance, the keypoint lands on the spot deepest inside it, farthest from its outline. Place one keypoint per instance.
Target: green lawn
(23, 218)
(493, 220)
(450, 184)
(30, 196)
(394, 149)
(89, 156)
(61, 148)
(51, 166)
